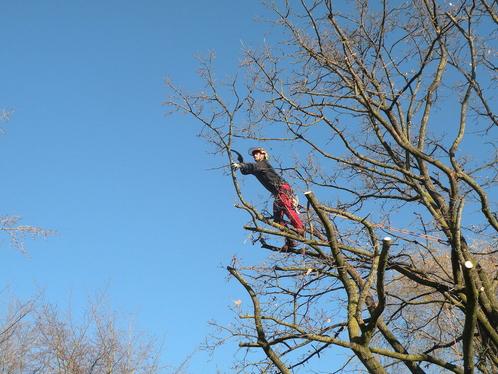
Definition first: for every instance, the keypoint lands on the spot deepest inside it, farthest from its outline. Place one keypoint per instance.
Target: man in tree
(284, 203)
(364, 90)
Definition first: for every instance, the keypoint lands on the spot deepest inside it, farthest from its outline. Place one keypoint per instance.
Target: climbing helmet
(254, 150)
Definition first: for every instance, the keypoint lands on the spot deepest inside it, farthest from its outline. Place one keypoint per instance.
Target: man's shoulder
(264, 163)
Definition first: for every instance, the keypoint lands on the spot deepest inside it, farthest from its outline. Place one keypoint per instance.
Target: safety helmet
(254, 150)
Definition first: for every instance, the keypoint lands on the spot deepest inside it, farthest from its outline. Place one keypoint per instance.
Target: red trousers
(283, 205)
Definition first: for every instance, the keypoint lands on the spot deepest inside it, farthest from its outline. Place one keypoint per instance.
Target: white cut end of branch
(387, 239)
(308, 192)
(469, 264)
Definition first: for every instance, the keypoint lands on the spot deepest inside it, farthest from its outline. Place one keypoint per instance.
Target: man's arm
(245, 167)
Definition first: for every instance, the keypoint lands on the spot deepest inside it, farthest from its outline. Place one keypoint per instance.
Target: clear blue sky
(90, 153)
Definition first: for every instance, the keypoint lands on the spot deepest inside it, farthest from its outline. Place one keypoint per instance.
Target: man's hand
(235, 166)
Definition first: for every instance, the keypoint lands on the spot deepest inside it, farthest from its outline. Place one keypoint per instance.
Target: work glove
(235, 166)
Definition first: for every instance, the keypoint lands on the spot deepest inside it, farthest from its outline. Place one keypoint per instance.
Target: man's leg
(284, 201)
(287, 207)
(278, 211)
(278, 217)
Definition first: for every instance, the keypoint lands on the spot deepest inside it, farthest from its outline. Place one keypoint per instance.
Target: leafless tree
(11, 225)
(17, 233)
(37, 338)
(390, 107)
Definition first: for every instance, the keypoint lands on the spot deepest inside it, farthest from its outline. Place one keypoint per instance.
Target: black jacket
(265, 174)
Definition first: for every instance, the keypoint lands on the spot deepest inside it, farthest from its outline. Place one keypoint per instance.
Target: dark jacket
(265, 174)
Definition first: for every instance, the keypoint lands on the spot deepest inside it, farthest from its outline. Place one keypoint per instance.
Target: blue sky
(89, 153)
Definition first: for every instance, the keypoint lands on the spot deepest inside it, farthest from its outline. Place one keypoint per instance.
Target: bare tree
(391, 109)
(37, 338)
(10, 225)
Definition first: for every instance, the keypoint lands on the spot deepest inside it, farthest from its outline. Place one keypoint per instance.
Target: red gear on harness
(284, 205)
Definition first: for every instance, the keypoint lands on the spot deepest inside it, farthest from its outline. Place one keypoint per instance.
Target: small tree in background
(37, 338)
(390, 109)
(10, 225)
